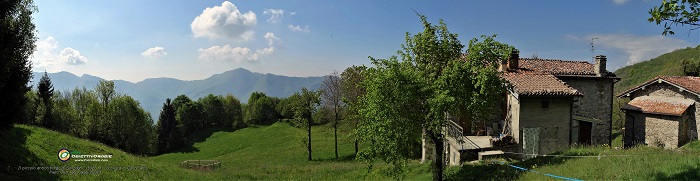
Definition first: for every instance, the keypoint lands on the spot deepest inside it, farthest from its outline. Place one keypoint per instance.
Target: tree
(45, 93)
(18, 35)
(191, 117)
(676, 12)
(261, 109)
(215, 114)
(105, 92)
(433, 78)
(180, 101)
(691, 67)
(331, 94)
(132, 126)
(305, 104)
(352, 89)
(234, 111)
(167, 129)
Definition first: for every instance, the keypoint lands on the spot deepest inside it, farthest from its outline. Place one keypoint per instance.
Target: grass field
(265, 152)
(276, 152)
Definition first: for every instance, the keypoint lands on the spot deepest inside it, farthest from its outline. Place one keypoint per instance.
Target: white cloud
(276, 15)
(224, 21)
(272, 40)
(48, 57)
(619, 2)
(298, 28)
(638, 48)
(240, 54)
(71, 56)
(292, 13)
(155, 52)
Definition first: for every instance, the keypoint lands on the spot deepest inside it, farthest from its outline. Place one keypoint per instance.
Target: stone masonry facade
(596, 103)
(553, 122)
(667, 90)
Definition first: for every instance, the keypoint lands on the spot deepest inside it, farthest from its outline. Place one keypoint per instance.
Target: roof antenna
(593, 48)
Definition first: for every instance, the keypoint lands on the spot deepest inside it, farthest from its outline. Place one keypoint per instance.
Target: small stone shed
(662, 112)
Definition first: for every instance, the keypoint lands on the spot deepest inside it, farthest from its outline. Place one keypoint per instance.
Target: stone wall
(672, 91)
(596, 103)
(554, 122)
(513, 115)
(654, 130)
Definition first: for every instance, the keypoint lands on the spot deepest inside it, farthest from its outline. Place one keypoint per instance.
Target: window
(545, 104)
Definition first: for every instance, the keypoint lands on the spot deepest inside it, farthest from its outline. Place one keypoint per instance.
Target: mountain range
(152, 92)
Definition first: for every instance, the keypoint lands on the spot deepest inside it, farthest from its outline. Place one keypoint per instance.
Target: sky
(191, 40)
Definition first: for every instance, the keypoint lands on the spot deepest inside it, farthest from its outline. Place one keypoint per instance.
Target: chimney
(600, 62)
(503, 67)
(513, 60)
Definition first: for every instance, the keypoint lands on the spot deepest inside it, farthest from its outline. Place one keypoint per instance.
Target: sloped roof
(659, 105)
(560, 67)
(688, 83)
(535, 83)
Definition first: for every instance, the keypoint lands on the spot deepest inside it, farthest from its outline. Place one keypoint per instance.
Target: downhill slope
(29, 147)
(274, 152)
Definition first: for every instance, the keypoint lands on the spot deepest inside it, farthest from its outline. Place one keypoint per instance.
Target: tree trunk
(438, 155)
(308, 146)
(335, 127)
(356, 145)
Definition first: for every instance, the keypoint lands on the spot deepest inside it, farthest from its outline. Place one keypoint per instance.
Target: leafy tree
(17, 34)
(168, 135)
(305, 104)
(676, 12)
(80, 100)
(691, 67)
(351, 91)
(180, 101)
(132, 127)
(261, 109)
(46, 93)
(29, 113)
(331, 94)
(191, 117)
(234, 111)
(432, 79)
(215, 114)
(286, 107)
(105, 92)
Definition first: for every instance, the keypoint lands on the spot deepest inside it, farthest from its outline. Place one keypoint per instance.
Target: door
(531, 142)
(584, 132)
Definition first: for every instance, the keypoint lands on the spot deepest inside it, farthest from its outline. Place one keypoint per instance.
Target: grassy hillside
(32, 147)
(642, 163)
(666, 64)
(267, 152)
(277, 152)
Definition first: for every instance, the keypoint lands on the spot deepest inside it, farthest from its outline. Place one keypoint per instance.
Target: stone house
(662, 112)
(556, 103)
(551, 104)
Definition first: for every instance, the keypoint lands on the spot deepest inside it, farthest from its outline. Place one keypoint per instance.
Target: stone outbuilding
(662, 112)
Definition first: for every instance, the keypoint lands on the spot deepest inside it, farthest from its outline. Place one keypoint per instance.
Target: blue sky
(134, 40)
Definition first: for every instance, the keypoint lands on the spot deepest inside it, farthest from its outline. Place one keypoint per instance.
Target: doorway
(584, 132)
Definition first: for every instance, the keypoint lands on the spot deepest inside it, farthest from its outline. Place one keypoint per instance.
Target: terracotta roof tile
(659, 105)
(560, 67)
(688, 83)
(534, 83)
